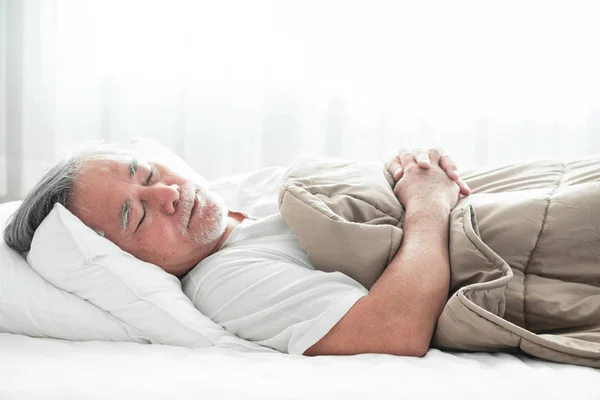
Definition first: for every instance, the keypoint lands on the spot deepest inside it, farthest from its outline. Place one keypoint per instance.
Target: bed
(41, 357)
(50, 368)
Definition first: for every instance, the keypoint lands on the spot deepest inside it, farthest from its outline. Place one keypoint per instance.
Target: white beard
(215, 221)
(214, 218)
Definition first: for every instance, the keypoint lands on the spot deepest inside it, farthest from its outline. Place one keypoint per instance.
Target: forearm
(400, 313)
(414, 287)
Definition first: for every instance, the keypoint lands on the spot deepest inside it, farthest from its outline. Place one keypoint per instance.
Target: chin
(214, 223)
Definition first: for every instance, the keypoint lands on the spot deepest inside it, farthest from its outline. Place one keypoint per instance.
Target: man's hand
(423, 158)
(418, 186)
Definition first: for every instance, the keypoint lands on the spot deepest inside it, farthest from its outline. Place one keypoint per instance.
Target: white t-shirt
(260, 285)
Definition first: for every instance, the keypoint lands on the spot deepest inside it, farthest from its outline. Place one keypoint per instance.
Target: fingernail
(397, 171)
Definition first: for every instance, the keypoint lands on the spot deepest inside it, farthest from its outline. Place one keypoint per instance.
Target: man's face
(149, 211)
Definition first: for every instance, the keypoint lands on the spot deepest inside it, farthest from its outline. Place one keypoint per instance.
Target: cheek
(158, 244)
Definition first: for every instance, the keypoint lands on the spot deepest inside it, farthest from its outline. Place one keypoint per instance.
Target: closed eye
(150, 175)
(142, 218)
(148, 182)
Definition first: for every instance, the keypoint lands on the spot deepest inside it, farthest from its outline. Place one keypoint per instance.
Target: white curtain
(236, 85)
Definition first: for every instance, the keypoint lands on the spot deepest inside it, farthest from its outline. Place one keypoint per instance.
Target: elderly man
(160, 217)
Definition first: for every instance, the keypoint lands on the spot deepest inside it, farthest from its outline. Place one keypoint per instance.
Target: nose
(163, 197)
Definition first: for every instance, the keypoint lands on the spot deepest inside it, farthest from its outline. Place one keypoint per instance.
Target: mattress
(56, 369)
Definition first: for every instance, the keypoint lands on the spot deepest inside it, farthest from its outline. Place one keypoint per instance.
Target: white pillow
(31, 306)
(76, 259)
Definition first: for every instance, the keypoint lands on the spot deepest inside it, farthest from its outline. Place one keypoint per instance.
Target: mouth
(193, 211)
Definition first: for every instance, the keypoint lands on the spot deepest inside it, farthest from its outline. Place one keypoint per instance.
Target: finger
(398, 173)
(421, 157)
(435, 154)
(394, 167)
(448, 165)
(406, 158)
(464, 188)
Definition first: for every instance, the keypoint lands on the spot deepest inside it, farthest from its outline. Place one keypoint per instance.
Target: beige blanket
(524, 249)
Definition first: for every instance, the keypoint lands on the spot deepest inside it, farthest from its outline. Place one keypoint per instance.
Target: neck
(233, 220)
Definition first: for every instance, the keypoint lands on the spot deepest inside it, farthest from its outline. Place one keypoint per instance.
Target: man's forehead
(102, 174)
(115, 162)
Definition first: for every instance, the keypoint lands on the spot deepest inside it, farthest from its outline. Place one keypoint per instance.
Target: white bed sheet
(49, 368)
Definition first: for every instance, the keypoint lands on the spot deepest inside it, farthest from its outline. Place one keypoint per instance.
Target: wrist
(429, 206)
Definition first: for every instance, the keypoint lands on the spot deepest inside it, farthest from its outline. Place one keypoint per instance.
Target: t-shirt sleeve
(275, 303)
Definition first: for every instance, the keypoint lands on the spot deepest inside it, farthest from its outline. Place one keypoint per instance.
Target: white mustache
(186, 202)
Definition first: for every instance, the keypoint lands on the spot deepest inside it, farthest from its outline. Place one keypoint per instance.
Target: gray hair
(56, 186)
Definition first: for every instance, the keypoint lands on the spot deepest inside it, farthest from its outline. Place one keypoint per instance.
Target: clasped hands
(426, 175)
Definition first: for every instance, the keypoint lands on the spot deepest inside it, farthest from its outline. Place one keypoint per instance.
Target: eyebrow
(133, 165)
(125, 215)
(125, 210)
